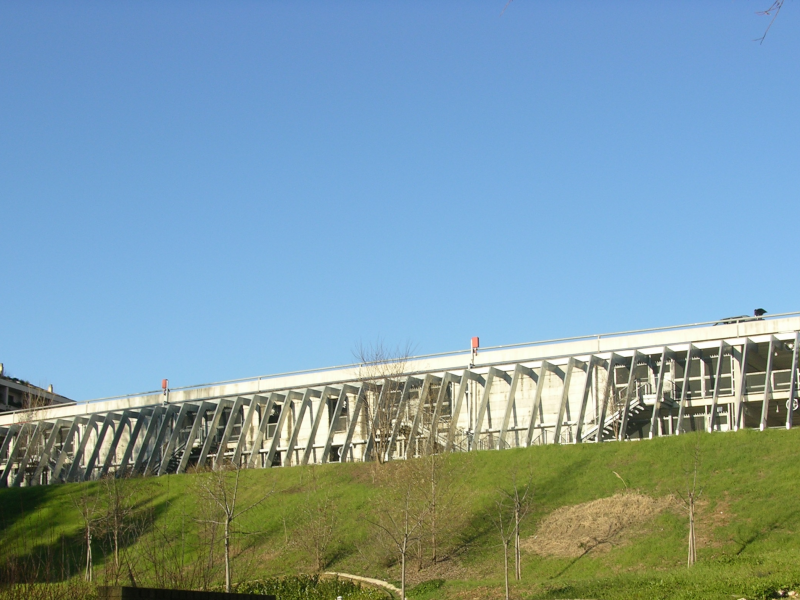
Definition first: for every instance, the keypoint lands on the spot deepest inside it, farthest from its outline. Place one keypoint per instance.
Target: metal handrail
(636, 401)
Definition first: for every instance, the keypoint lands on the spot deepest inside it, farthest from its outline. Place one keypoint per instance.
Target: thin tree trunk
(227, 556)
(692, 546)
(116, 550)
(434, 557)
(403, 571)
(89, 566)
(505, 565)
(517, 518)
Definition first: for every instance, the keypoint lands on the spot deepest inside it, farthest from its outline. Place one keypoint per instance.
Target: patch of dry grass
(572, 531)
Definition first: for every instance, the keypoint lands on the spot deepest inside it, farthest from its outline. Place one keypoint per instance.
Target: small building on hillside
(16, 394)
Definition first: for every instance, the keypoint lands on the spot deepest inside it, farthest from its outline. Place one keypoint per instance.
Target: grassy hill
(748, 522)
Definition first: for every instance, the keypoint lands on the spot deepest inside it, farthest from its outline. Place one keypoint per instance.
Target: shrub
(426, 587)
(310, 587)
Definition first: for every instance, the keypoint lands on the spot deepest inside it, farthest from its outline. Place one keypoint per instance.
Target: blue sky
(213, 190)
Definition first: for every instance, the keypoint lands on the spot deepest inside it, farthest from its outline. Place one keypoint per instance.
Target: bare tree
(520, 499)
(220, 489)
(160, 551)
(435, 497)
(173, 558)
(401, 512)
(772, 11)
(28, 440)
(117, 519)
(87, 502)
(316, 534)
(690, 499)
(509, 510)
(380, 371)
(502, 515)
(34, 398)
(442, 485)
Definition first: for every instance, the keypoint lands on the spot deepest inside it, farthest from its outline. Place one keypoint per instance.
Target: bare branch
(381, 368)
(773, 10)
(217, 488)
(252, 506)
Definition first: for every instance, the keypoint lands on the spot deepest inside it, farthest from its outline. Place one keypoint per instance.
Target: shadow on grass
(761, 533)
(18, 503)
(587, 548)
(477, 528)
(339, 553)
(40, 553)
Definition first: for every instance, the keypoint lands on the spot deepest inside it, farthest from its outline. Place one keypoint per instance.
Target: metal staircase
(636, 408)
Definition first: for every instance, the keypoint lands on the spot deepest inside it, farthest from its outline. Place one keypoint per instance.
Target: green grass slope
(748, 522)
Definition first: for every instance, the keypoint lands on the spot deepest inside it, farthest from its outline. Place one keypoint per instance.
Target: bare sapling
(690, 501)
(316, 534)
(443, 482)
(502, 516)
(401, 513)
(87, 501)
(220, 489)
(380, 372)
(520, 497)
(117, 521)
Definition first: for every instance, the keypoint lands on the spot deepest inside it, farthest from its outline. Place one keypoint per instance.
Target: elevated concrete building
(623, 386)
(16, 394)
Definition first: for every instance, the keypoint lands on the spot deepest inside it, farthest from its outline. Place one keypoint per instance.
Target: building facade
(18, 394)
(634, 385)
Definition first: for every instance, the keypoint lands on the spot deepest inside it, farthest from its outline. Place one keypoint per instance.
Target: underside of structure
(637, 385)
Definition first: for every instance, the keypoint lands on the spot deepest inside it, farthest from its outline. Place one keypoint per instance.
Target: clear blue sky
(214, 190)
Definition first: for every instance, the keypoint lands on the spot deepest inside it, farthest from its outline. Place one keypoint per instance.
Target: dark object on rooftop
(757, 314)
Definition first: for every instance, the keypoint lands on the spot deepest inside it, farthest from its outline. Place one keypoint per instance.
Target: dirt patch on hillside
(598, 525)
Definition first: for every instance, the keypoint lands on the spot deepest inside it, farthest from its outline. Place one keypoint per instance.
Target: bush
(426, 587)
(73, 589)
(310, 587)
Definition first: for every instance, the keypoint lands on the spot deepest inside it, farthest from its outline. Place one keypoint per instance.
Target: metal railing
(466, 352)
